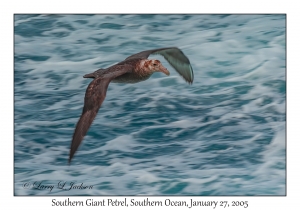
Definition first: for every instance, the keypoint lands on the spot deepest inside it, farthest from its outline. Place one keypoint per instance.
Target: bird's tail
(92, 75)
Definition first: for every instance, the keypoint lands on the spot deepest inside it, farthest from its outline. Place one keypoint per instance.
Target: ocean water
(222, 135)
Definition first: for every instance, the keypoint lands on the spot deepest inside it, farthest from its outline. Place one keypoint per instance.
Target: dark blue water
(223, 135)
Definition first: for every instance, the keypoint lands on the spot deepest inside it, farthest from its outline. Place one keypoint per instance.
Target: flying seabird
(135, 68)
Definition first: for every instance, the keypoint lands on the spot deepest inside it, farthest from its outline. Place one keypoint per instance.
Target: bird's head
(156, 66)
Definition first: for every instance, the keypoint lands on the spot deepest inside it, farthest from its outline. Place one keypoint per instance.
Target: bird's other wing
(94, 96)
(176, 58)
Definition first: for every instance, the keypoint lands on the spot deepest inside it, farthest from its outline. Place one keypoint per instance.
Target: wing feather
(94, 97)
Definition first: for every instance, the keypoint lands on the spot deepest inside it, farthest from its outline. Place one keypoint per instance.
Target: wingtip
(70, 159)
(190, 81)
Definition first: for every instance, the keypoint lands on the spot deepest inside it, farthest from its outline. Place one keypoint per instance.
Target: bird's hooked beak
(164, 70)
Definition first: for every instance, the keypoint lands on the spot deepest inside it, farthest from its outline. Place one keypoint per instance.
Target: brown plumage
(135, 68)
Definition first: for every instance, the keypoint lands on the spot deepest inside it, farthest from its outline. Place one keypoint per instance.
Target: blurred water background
(222, 135)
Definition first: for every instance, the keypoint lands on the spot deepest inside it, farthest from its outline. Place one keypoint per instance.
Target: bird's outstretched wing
(94, 96)
(175, 57)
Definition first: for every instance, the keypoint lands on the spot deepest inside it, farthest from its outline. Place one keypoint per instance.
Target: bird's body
(138, 72)
(133, 69)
